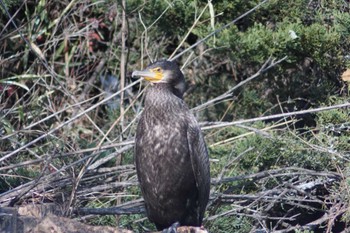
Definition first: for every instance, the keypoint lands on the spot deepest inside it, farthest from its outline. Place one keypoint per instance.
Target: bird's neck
(161, 94)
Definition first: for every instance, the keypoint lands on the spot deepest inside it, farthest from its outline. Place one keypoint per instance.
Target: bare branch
(67, 122)
(213, 125)
(291, 171)
(266, 66)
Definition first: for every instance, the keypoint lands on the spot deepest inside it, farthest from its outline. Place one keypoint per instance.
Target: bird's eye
(158, 69)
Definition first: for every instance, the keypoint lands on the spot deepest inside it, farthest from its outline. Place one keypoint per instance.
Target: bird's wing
(200, 161)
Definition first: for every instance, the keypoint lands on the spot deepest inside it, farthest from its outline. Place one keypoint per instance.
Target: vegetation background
(66, 128)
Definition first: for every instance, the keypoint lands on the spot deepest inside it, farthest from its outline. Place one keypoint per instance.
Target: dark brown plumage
(170, 153)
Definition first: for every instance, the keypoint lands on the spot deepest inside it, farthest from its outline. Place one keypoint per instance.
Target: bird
(171, 156)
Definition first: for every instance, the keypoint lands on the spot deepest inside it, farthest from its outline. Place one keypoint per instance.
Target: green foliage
(106, 220)
(341, 22)
(167, 16)
(304, 32)
(21, 176)
(250, 105)
(133, 222)
(231, 223)
(8, 4)
(128, 157)
(334, 130)
(270, 153)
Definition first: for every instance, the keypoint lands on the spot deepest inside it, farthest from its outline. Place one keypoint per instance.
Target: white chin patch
(159, 81)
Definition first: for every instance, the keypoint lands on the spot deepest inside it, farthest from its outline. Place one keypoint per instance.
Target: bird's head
(164, 71)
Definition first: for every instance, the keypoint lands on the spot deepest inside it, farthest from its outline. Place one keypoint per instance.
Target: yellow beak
(148, 75)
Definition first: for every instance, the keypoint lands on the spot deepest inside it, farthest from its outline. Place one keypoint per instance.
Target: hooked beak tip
(134, 74)
(146, 74)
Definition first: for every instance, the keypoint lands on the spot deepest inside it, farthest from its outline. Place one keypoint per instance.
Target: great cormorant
(171, 157)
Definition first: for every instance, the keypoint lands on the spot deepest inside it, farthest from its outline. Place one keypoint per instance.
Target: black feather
(171, 156)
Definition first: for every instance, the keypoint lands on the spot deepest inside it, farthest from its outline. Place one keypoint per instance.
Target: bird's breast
(162, 152)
